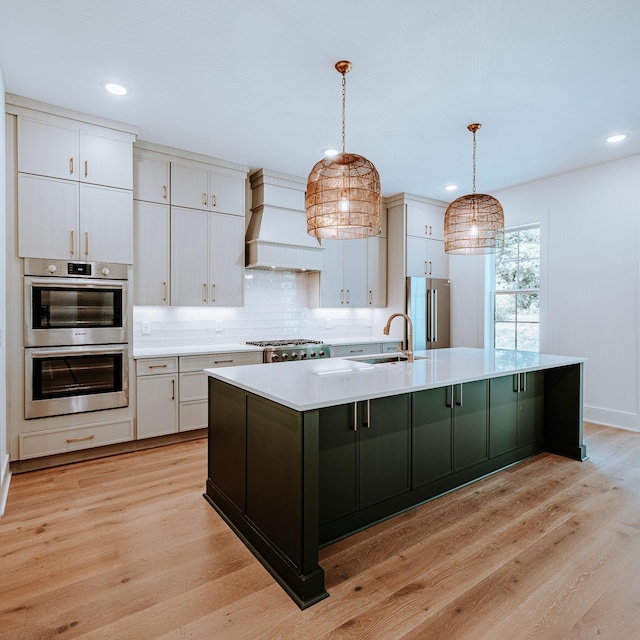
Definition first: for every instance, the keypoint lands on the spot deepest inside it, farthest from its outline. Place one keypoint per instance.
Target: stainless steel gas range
(292, 350)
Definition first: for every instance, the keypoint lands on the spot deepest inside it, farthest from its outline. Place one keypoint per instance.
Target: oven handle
(76, 283)
(61, 352)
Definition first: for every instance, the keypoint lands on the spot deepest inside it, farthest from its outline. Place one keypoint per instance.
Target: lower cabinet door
(469, 424)
(432, 446)
(531, 407)
(503, 414)
(384, 448)
(157, 405)
(337, 462)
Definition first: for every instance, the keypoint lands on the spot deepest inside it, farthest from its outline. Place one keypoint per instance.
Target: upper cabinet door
(106, 159)
(151, 176)
(226, 260)
(425, 221)
(226, 193)
(48, 149)
(189, 186)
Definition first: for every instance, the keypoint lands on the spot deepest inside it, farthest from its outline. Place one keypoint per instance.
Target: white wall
(590, 291)
(4, 455)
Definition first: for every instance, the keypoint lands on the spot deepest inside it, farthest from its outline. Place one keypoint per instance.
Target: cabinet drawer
(155, 366)
(391, 347)
(212, 360)
(193, 415)
(45, 443)
(193, 386)
(365, 349)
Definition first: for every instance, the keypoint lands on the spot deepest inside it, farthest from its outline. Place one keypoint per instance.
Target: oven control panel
(64, 269)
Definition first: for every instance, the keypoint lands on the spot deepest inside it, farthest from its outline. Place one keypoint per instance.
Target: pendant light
(343, 191)
(474, 224)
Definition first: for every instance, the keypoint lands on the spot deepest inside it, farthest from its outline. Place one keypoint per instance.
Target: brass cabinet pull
(204, 293)
(368, 425)
(164, 292)
(213, 200)
(370, 297)
(158, 366)
(341, 296)
(86, 168)
(86, 243)
(223, 361)
(204, 199)
(356, 350)
(173, 389)
(80, 439)
(425, 268)
(72, 248)
(164, 191)
(355, 416)
(213, 293)
(348, 296)
(71, 166)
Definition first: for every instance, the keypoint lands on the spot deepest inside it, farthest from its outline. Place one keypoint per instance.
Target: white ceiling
(253, 81)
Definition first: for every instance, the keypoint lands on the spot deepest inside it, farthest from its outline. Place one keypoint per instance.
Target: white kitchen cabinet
(151, 176)
(69, 149)
(157, 397)
(151, 253)
(196, 185)
(356, 349)
(69, 221)
(193, 383)
(425, 221)
(354, 274)
(207, 258)
(377, 272)
(426, 258)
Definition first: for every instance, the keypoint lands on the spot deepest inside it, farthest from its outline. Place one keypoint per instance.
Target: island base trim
(304, 589)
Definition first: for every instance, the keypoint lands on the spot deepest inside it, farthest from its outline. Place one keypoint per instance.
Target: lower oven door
(64, 380)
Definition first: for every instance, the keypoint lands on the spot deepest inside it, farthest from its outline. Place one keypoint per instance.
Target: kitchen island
(305, 453)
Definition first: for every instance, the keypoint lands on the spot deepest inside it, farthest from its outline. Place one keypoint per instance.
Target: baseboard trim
(612, 418)
(5, 480)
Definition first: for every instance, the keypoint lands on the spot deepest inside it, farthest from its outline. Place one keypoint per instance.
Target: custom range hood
(277, 235)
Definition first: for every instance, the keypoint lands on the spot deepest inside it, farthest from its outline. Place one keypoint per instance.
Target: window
(516, 322)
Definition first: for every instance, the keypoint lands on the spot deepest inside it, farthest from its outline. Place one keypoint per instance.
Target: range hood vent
(277, 236)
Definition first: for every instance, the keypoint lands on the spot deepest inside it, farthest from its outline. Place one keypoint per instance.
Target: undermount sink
(384, 358)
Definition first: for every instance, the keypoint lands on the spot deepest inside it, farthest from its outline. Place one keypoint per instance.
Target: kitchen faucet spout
(409, 351)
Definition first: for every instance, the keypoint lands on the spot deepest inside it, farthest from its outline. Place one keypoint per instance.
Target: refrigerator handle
(429, 316)
(434, 315)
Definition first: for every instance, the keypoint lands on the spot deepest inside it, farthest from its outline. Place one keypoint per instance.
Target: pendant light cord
(344, 102)
(474, 162)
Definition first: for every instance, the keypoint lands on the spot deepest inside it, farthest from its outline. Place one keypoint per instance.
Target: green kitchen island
(305, 453)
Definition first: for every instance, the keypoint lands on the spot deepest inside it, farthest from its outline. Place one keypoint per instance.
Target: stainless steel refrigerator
(428, 302)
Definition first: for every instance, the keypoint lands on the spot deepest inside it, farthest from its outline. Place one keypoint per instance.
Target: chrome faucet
(409, 350)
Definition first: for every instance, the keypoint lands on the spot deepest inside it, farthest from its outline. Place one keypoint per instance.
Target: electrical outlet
(327, 323)
(146, 328)
(218, 325)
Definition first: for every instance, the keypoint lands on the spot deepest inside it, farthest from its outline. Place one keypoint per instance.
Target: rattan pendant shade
(474, 224)
(343, 192)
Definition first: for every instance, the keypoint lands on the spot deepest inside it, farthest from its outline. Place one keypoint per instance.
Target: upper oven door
(74, 311)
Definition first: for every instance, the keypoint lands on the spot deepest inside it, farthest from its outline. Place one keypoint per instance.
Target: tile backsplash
(276, 307)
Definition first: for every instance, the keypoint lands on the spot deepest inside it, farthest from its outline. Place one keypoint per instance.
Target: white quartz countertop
(307, 385)
(160, 352)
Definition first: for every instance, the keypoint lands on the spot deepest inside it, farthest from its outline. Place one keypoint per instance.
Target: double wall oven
(75, 336)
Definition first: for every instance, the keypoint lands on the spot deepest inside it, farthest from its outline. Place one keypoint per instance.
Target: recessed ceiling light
(330, 152)
(617, 138)
(116, 89)
(451, 187)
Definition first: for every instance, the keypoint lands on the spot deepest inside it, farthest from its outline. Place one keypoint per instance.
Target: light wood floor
(127, 548)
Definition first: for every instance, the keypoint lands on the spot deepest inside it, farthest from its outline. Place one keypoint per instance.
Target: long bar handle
(164, 292)
(434, 315)
(204, 293)
(86, 168)
(164, 191)
(71, 165)
(516, 383)
(459, 399)
(348, 296)
(80, 439)
(523, 382)
(370, 296)
(449, 396)
(213, 293)
(214, 200)
(341, 296)
(86, 243)
(355, 416)
(368, 414)
(223, 361)
(158, 366)
(173, 389)
(72, 247)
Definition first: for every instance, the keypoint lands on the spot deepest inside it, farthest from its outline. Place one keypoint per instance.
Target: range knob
(303, 355)
(294, 355)
(105, 271)
(313, 354)
(285, 356)
(52, 268)
(275, 357)
(321, 354)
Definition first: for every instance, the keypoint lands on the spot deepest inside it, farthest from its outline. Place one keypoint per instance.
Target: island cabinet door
(432, 435)
(470, 441)
(530, 407)
(503, 414)
(384, 448)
